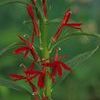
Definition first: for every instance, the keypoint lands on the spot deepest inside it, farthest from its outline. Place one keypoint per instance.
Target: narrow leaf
(7, 48)
(27, 22)
(13, 2)
(78, 60)
(56, 20)
(13, 85)
(78, 34)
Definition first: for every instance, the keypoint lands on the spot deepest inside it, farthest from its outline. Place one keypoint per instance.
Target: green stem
(45, 55)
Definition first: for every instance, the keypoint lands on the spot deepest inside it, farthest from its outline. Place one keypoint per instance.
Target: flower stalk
(46, 55)
(49, 67)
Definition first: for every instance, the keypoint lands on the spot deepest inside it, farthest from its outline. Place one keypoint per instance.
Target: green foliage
(6, 49)
(13, 85)
(75, 61)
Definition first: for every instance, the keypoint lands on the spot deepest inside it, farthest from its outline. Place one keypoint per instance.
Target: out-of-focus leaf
(13, 85)
(81, 57)
(7, 48)
(74, 35)
(56, 20)
(77, 60)
(12, 2)
(27, 22)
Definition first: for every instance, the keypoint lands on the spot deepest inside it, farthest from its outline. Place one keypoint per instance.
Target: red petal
(66, 17)
(35, 90)
(59, 70)
(25, 41)
(26, 54)
(31, 71)
(21, 50)
(53, 74)
(34, 21)
(48, 64)
(41, 80)
(57, 35)
(44, 6)
(17, 77)
(34, 54)
(31, 66)
(30, 11)
(33, 87)
(75, 25)
(56, 56)
(22, 39)
(36, 28)
(66, 67)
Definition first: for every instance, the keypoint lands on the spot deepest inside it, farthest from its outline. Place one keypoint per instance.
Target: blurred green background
(85, 84)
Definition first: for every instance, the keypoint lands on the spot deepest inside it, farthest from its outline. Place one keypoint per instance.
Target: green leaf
(7, 48)
(74, 62)
(13, 2)
(79, 59)
(78, 34)
(56, 20)
(27, 22)
(13, 85)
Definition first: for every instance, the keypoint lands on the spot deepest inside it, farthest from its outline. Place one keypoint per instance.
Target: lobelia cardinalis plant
(50, 67)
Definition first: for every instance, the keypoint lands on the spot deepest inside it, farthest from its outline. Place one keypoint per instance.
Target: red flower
(41, 79)
(44, 6)
(29, 74)
(26, 49)
(65, 22)
(34, 21)
(56, 66)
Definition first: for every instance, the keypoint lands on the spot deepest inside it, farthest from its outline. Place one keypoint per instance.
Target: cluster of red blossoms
(56, 65)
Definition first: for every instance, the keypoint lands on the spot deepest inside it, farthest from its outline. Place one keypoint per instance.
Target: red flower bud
(44, 7)
(66, 17)
(34, 21)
